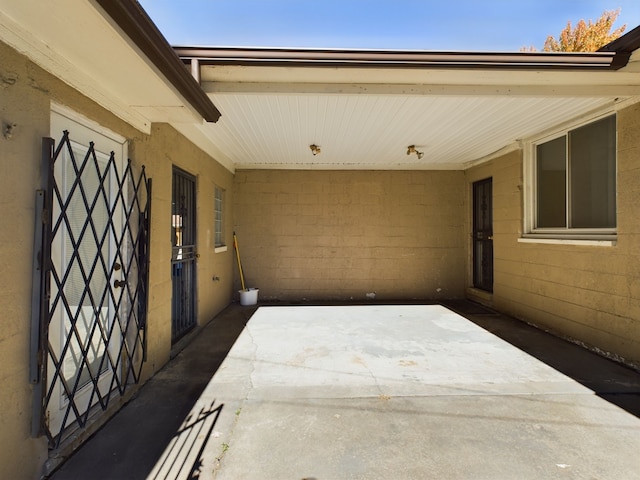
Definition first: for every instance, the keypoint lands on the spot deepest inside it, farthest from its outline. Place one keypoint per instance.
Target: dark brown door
(483, 235)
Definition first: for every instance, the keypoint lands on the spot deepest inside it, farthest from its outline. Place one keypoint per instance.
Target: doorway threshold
(480, 296)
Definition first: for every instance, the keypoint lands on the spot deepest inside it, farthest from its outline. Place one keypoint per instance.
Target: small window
(574, 182)
(219, 217)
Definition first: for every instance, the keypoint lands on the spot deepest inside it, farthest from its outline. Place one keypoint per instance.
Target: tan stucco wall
(345, 234)
(588, 293)
(25, 95)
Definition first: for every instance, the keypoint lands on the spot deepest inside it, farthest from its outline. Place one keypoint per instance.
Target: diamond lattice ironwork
(95, 247)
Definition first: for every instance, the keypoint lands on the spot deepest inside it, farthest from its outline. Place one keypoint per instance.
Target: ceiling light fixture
(315, 149)
(412, 149)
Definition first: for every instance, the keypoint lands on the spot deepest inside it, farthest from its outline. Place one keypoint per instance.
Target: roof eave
(256, 56)
(626, 44)
(137, 25)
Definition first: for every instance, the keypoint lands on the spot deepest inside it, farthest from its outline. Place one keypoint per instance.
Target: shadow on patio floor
(609, 380)
(131, 443)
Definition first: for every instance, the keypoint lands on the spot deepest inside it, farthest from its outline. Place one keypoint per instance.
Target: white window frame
(219, 247)
(578, 236)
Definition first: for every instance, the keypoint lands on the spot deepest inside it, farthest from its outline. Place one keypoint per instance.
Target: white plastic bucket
(248, 296)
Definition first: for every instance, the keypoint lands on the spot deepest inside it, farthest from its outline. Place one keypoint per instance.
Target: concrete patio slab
(393, 392)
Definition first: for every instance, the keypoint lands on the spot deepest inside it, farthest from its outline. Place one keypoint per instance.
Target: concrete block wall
(22, 103)
(588, 293)
(351, 235)
(159, 152)
(26, 92)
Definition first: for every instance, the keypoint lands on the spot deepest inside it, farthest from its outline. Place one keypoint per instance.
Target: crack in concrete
(372, 375)
(253, 361)
(226, 445)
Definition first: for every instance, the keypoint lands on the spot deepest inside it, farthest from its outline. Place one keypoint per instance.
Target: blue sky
(458, 25)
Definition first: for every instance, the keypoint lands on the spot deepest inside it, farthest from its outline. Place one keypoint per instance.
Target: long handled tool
(235, 245)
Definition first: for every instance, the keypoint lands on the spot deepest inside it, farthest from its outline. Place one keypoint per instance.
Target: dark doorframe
(183, 255)
(483, 235)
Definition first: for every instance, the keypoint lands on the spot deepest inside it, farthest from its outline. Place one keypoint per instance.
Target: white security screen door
(84, 341)
(90, 287)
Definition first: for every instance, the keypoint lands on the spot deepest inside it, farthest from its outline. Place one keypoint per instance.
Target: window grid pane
(551, 175)
(575, 179)
(593, 175)
(218, 207)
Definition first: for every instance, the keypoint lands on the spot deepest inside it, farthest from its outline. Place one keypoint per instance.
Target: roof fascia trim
(609, 60)
(135, 22)
(627, 43)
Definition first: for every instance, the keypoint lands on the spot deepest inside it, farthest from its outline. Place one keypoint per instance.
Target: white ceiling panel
(365, 116)
(360, 131)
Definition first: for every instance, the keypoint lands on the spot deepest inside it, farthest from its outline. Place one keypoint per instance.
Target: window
(219, 217)
(573, 182)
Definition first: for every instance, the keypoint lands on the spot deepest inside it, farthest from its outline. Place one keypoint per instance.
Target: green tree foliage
(586, 36)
